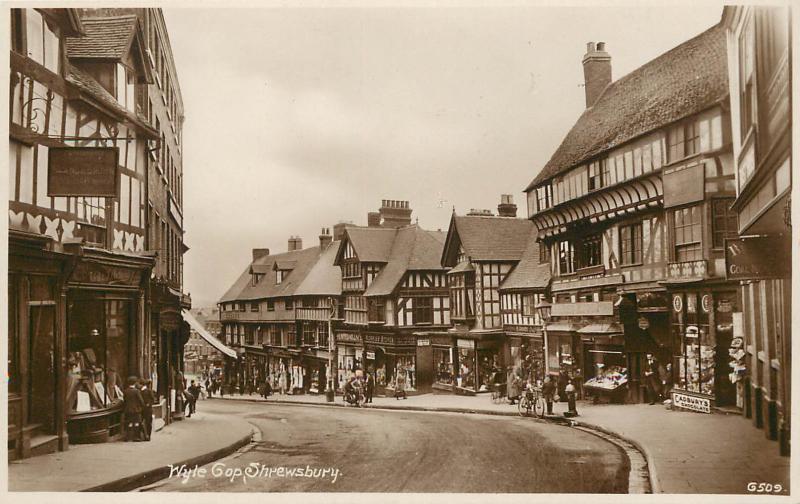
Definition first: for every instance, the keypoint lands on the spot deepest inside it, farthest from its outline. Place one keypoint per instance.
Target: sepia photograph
(456, 251)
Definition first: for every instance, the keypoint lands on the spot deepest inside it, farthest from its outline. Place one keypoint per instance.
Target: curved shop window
(696, 362)
(99, 349)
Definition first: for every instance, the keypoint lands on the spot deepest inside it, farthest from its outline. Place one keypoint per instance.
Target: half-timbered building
(392, 287)
(759, 73)
(78, 260)
(634, 208)
(480, 251)
(278, 314)
(520, 293)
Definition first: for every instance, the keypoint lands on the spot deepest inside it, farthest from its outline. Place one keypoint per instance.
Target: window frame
(422, 310)
(631, 255)
(588, 245)
(728, 215)
(695, 246)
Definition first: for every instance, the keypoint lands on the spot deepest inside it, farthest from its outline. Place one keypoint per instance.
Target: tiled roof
(491, 238)
(372, 244)
(325, 278)
(260, 269)
(285, 265)
(88, 84)
(412, 249)
(243, 290)
(529, 273)
(105, 38)
(683, 81)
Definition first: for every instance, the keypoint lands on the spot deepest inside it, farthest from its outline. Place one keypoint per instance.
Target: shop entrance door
(41, 365)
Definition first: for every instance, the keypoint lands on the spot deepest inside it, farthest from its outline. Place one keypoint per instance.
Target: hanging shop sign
(757, 257)
(83, 171)
(465, 343)
(690, 402)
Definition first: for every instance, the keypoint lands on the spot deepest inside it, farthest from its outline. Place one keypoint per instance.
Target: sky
(300, 118)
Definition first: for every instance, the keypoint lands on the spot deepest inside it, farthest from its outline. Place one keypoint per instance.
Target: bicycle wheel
(524, 407)
(538, 407)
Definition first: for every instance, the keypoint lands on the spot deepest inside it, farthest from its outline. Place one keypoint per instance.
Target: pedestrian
(571, 399)
(133, 407)
(191, 399)
(267, 388)
(549, 393)
(651, 378)
(665, 376)
(400, 386)
(148, 399)
(282, 383)
(208, 386)
(514, 385)
(370, 386)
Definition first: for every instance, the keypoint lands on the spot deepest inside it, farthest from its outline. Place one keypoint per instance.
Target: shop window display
(488, 362)
(466, 376)
(405, 365)
(443, 366)
(696, 364)
(99, 338)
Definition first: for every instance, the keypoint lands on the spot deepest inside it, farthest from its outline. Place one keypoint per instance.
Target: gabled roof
(259, 269)
(324, 278)
(683, 81)
(372, 244)
(244, 290)
(284, 265)
(529, 274)
(412, 249)
(486, 238)
(105, 38)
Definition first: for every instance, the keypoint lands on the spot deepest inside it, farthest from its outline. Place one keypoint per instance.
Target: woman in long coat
(514, 385)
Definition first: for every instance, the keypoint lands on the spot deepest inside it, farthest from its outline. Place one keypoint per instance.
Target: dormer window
(280, 275)
(256, 277)
(126, 87)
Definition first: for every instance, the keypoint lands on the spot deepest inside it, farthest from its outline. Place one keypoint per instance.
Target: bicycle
(531, 402)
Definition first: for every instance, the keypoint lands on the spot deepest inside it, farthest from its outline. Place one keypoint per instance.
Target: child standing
(134, 406)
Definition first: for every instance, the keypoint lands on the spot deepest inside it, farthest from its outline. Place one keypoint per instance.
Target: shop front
(105, 341)
(349, 356)
(526, 352)
(315, 368)
(390, 356)
(706, 371)
(563, 354)
(604, 362)
(436, 362)
(477, 359)
(36, 336)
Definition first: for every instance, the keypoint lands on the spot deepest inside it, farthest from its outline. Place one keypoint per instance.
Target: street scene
(495, 250)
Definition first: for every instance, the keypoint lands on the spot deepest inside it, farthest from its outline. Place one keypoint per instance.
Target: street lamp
(543, 309)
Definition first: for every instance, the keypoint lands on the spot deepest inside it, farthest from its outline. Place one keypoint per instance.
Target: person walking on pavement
(282, 383)
(147, 411)
(514, 385)
(400, 386)
(652, 379)
(549, 393)
(133, 407)
(571, 399)
(370, 389)
(208, 387)
(191, 398)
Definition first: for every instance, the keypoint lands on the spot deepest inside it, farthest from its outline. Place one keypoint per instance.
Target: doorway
(42, 375)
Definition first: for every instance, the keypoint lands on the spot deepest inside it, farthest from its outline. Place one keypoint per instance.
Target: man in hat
(651, 378)
(147, 410)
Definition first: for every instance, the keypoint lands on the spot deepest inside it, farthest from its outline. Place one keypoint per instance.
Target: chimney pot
(596, 71)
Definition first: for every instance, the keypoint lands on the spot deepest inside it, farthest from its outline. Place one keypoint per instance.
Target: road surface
(323, 449)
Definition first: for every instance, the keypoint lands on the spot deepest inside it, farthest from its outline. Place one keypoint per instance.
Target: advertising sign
(690, 402)
(465, 343)
(82, 171)
(756, 257)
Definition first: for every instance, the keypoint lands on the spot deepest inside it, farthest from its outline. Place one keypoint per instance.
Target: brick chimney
(374, 219)
(596, 71)
(395, 213)
(325, 238)
(259, 253)
(338, 230)
(295, 243)
(506, 208)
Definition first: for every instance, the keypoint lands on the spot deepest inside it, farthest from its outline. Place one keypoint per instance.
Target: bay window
(724, 222)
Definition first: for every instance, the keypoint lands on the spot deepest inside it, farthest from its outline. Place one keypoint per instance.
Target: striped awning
(622, 199)
(198, 327)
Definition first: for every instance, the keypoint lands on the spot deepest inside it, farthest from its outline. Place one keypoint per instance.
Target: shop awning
(607, 329)
(561, 327)
(198, 327)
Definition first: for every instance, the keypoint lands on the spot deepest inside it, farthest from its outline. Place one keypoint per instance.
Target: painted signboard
(691, 402)
(82, 171)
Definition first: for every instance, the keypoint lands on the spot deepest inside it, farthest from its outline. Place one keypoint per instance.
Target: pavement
(121, 466)
(686, 452)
